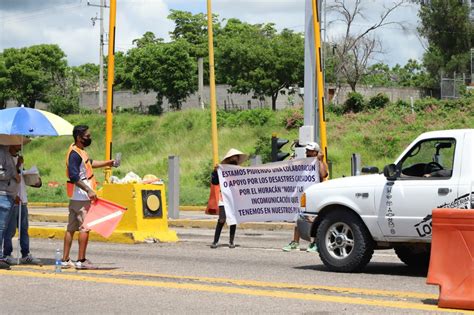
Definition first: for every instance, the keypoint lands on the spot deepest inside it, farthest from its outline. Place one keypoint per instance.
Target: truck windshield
(429, 158)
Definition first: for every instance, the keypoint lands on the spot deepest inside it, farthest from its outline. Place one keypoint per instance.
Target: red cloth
(103, 217)
(213, 202)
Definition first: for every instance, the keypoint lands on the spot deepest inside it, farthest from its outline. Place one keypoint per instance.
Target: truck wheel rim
(339, 240)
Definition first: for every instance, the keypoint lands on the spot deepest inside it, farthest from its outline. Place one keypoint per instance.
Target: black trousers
(220, 225)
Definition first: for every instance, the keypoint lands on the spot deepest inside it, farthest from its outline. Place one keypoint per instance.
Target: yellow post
(212, 86)
(110, 92)
(319, 79)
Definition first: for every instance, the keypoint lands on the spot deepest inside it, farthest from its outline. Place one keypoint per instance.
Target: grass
(147, 141)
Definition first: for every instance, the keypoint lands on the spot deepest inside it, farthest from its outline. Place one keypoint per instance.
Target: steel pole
(110, 92)
(212, 86)
(319, 79)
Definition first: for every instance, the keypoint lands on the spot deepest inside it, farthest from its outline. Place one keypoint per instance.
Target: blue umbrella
(24, 121)
(32, 122)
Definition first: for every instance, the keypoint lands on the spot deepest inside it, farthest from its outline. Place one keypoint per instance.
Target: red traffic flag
(103, 217)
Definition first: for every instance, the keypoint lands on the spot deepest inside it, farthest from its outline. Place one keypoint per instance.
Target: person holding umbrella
(9, 181)
(20, 122)
(81, 191)
(26, 257)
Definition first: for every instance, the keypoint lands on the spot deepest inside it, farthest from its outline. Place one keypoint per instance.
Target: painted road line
(231, 290)
(260, 284)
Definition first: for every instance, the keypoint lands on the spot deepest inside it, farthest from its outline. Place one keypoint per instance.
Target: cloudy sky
(68, 23)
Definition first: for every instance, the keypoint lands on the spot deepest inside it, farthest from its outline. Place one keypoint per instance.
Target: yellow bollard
(146, 216)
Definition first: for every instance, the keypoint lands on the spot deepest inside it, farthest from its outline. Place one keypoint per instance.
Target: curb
(47, 204)
(179, 223)
(65, 205)
(58, 233)
(123, 237)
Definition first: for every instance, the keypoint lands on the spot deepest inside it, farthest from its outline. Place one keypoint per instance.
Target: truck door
(427, 178)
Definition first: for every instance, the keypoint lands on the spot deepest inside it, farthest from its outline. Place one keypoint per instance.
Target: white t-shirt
(22, 189)
(78, 193)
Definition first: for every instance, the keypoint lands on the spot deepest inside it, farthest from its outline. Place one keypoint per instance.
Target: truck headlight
(303, 200)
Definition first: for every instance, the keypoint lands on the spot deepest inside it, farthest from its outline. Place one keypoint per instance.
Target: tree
(256, 59)
(86, 76)
(123, 77)
(63, 97)
(147, 39)
(166, 68)
(33, 71)
(356, 47)
(449, 31)
(412, 74)
(5, 84)
(193, 29)
(378, 74)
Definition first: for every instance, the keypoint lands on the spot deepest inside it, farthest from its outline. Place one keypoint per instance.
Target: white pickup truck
(352, 216)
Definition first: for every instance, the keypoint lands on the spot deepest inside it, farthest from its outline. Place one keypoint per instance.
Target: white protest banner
(269, 192)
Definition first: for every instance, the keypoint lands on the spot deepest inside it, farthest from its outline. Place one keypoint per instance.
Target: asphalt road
(189, 277)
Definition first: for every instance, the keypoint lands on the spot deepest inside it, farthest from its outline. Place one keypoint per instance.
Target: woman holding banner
(233, 157)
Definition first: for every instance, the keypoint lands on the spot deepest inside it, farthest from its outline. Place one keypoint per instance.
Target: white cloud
(68, 23)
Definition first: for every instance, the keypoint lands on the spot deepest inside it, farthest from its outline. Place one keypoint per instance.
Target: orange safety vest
(88, 164)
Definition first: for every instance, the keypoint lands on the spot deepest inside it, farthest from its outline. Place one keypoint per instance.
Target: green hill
(147, 141)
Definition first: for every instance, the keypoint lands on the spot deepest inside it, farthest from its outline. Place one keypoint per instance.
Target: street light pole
(101, 6)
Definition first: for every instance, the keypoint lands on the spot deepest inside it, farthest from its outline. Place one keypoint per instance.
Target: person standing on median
(81, 191)
(26, 257)
(312, 150)
(9, 182)
(233, 157)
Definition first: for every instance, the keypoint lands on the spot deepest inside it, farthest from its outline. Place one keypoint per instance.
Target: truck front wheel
(344, 243)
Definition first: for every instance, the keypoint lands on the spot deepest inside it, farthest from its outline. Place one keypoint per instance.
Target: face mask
(86, 142)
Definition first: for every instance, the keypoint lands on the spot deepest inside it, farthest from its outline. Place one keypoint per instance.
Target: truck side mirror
(390, 171)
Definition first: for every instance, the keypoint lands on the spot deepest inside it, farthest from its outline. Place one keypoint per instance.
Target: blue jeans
(6, 204)
(11, 229)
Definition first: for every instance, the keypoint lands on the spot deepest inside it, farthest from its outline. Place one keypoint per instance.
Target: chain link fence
(452, 88)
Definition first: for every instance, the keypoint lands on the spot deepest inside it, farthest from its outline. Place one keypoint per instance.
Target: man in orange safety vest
(81, 187)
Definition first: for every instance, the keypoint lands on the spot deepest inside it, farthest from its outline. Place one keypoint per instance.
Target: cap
(312, 146)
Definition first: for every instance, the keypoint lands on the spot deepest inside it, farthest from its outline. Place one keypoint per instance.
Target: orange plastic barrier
(452, 257)
(213, 202)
